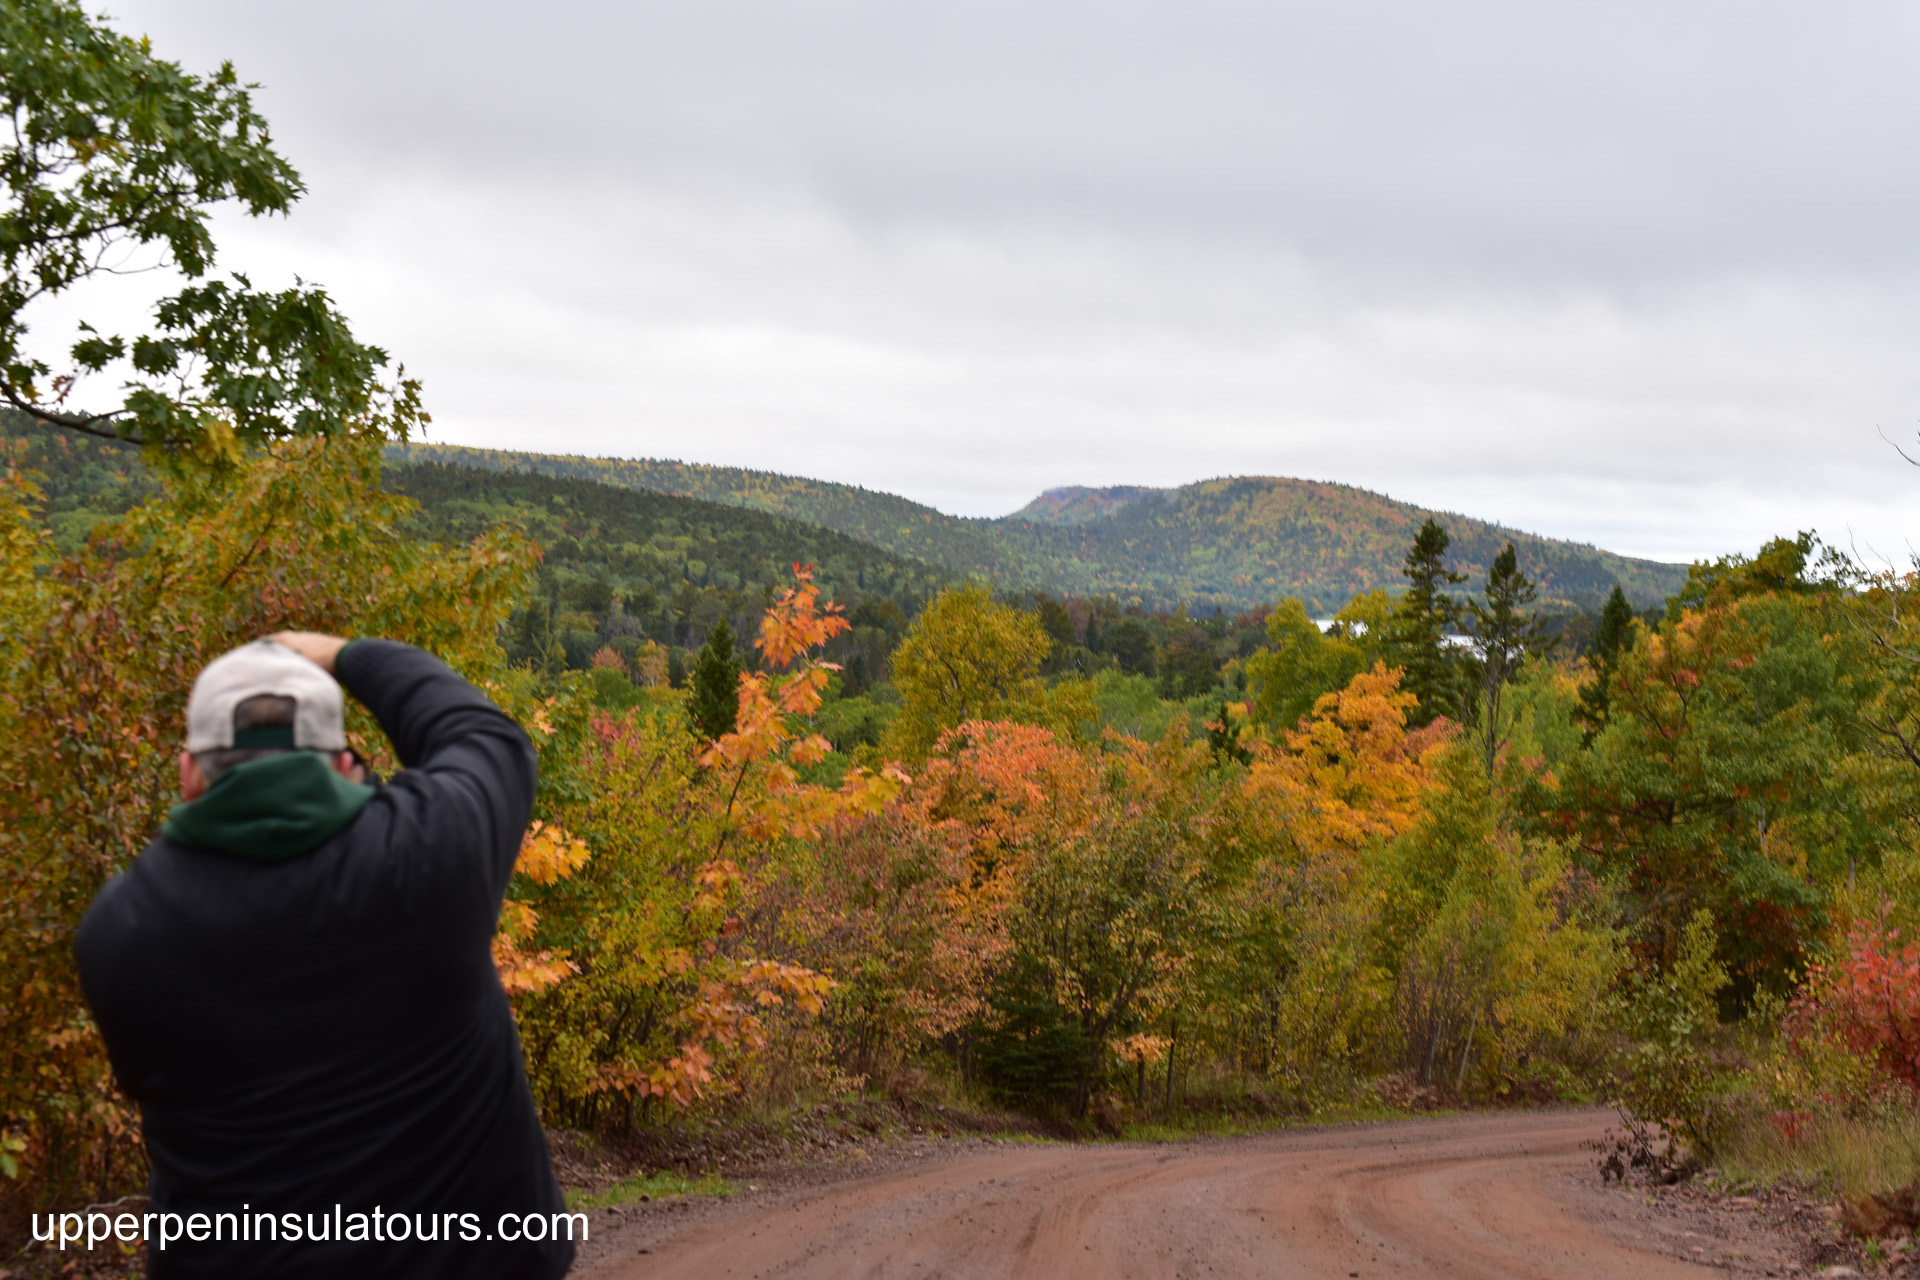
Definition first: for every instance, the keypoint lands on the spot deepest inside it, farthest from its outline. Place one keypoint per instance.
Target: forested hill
(664, 541)
(1235, 543)
(619, 566)
(677, 563)
(1258, 538)
(886, 520)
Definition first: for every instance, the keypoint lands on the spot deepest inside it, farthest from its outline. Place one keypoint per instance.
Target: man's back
(323, 1035)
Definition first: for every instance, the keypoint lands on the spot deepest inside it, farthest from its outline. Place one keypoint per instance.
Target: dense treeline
(647, 575)
(899, 525)
(82, 480)
(1244, 541)
(1231, 544)
(621, 568)
(1482, 868)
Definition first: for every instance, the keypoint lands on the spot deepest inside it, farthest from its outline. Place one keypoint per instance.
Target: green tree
(966, 658)
(1304, 663)
(1055, 620)
(1778, 568)
(1058, 624)
(1668, 1075)
(1505, 635)
(118, 158)
(1499, 953)
(715, 704)
(1112, 924)
(1722, 781)
(1187, 670)
(1613, 636)
(1131, 645)
(1425, 615)
(1223, 739)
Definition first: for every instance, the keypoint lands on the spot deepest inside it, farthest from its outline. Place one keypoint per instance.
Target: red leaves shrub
(1870, 1000)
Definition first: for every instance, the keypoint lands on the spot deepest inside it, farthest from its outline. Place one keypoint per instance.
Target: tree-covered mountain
(1251, 540)
(82, 479)
(1234, 543)
(640, 540)
(1074, 504)
(622, 567)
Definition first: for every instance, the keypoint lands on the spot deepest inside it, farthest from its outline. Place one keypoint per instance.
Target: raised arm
(468, 769)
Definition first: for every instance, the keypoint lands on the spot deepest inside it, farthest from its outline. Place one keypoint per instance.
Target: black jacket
(327, 1029)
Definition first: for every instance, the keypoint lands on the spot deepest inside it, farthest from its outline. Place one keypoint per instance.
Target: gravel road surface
(1480, 1197)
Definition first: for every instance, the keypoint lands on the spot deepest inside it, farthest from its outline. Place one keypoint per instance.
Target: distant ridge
(1234, 543)
(1075, 505)
(886, 520)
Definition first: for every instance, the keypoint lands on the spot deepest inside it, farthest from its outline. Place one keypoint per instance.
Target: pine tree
(1416, 634)
(715, 704)
(1611, 638)
(1505, 634)
(1223, 739)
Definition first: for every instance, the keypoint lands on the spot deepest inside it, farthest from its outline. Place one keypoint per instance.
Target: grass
(1874, 1150)
(652, 1186)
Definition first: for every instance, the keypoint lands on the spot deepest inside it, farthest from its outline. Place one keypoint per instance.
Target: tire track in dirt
(1505, 1197)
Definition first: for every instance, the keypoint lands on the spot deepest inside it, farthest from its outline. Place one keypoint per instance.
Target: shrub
(1668, 1076)
(1869, 1000)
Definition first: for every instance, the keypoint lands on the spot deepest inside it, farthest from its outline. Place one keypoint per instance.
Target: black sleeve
(468, 769)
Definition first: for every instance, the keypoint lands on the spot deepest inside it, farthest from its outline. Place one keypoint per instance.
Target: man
(295, 981)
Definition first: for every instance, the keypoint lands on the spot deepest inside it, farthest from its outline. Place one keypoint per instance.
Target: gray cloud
(1637, 273)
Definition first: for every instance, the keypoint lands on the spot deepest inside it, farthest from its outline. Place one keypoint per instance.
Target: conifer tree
(714, 707)
(1416, 633)
(1505, 633)
(1611, 638)
(1223, 739)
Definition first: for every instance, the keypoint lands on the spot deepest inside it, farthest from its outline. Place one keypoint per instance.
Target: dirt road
(1506, 1196)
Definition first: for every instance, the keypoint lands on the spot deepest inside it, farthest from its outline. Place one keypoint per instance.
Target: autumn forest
(969, 814)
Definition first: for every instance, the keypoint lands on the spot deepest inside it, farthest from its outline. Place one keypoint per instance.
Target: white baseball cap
(265, 666)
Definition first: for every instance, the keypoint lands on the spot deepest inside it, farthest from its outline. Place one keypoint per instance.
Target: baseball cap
(265, 667)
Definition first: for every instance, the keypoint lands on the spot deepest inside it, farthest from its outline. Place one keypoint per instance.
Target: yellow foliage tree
(1348, 775)
(966, 658)
(1348, 778)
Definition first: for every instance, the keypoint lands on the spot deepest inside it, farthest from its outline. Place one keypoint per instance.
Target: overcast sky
(1637, 273)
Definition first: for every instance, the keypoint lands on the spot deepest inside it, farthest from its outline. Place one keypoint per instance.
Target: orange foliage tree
(906, 907)
(547, 855)
(671, 1000)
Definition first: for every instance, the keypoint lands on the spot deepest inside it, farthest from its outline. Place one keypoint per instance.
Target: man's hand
(318, 649)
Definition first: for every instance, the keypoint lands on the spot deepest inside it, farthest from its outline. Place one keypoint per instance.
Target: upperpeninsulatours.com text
(245, 1225)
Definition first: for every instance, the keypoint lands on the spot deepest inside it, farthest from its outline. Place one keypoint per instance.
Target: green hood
(272, 808)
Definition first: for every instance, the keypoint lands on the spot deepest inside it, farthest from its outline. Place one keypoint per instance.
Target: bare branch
(87, 424)
(1912, 461)
(1892, 730)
